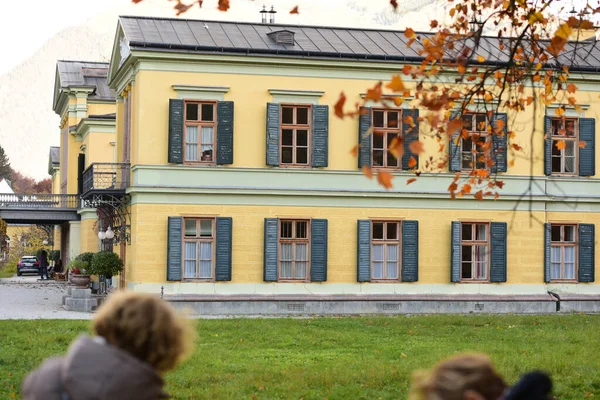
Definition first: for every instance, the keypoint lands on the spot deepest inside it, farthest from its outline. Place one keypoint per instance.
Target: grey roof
(53, 159)
(200, 36)
(86, 73)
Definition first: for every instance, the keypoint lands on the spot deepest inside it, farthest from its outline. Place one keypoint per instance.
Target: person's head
(462, 377)
(146, 327)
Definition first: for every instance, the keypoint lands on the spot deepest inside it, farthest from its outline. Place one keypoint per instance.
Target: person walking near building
(43, 264)
(138, 338)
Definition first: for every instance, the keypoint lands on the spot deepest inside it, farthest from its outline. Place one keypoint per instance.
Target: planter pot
(80, 280)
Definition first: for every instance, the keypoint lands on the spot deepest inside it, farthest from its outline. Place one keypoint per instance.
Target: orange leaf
(385, 179)
(582, 144)
(397, 147)
(560, 145)
(496, 196)
(409, 33)
(462, 69)
(517, 147)
(433, 24)
(454, 126)
(479, 195)
(367, 171)
(466, 189)
(416, 147)
(411, 180)
(406, 69)
(394, 3)
(374, 93)
(295, 10)
(223, 5)
(571, 88)
(398, 101)
(409, 120)
(480, 59)
(412, 162)
(339, 106)
(396, 84)
(354, 151)
(537, 78)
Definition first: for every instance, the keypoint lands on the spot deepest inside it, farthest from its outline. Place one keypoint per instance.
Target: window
(385, 251)
(293, 249)
(387, 130)
(563, 244)
(198, 248)
(564, 145)
(474, 147)
(200, 121)
(295, 135)
(474, 251)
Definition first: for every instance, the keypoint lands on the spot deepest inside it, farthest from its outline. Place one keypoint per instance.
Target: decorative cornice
(191, 88)
(87, 125)
(288, 92)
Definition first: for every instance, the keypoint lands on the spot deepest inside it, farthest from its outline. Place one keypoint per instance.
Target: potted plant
(79, 275)
(106, 264)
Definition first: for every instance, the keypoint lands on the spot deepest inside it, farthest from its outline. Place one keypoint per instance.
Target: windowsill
(386, 281)
(294, 281)
(295, 166)
(561, 281)
(478, 282)
(198, 280)
(197, 163)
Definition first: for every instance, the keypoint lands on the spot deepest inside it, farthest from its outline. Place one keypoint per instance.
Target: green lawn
(339, 358)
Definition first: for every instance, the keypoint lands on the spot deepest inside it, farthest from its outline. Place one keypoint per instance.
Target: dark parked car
(28, 264)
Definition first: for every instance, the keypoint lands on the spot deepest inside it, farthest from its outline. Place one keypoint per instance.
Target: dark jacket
(43, 259)
(93, 370)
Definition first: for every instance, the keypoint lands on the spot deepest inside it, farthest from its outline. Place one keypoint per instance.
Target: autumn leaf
(409, 120)
(571, 88)
(560, 145)
(385, 179)
(536, 17)
(295, 10)
(354, 151)
(394, 4)
(479, 195)
(409, 33)
(136, 1)
(516, 147)
(480, 59)
(223, 5)
(454, 126)
(339, 106)
(398, 101)
(374, 94)
(466, 189)
(564, 31)
(582, 144)
(496, 196)
(396, 84)
(462, 69)
(181, 8)
(397, 147)
(416, 147)
(412, 162)
(368, 172)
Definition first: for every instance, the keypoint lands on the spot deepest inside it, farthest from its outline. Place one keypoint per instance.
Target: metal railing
(39, 201)
(106, 176)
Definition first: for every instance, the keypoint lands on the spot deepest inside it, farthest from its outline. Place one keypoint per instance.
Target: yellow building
(233, 177)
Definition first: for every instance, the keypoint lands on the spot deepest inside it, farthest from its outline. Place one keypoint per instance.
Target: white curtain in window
(207, 138)
(189, 270)
(206, 260)
(378, 259)
(301, 260)
(570, 156)
(392, 261)
(569, 262)
(555, 259)
(481, 261)
(286, 260)
(191, 143)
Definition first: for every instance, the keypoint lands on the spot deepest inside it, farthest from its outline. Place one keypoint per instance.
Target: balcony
(39, 208)
(105, 179)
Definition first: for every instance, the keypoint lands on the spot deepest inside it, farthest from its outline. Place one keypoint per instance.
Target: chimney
(263, 14)
(272, 15)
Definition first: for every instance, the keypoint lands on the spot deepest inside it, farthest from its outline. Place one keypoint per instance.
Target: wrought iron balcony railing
(39, 201)
(106, 177)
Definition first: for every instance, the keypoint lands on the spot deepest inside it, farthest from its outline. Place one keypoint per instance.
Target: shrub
(10, 269)
(106, 263)
(78, 266)
(85, 257)
(54, 255)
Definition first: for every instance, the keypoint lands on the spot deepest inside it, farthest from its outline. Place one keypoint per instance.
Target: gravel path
(26, 297)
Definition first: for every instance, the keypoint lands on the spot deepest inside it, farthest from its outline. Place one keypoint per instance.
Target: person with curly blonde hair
(462, 377)
(138, 338)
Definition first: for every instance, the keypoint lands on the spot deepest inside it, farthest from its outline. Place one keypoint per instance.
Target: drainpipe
(555, 295)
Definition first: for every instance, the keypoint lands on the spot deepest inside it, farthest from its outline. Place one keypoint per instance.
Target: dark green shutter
(586, 253)
(547, 252)
(273, 134)
(318, 250)
(364, 251)
(271, 249)
(176, 131)
(174, 248)
(587, 154)
(498, 238)
(454, 148)
(455, 254)
(320, 136)
(224, 132)
(547, 146)
(410, 135)
(364, 140)
(223, 249)
(80, 169)
(410, 251)
(500, 143)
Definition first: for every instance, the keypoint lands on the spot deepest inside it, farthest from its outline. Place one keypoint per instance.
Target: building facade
(240, 179)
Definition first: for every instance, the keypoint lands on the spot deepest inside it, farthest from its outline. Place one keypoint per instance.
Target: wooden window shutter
(176, 131)
(498, 243)
(174, 248)
(410, 251)
(224, 133)
(455, 163)
(500, 143)
(271, 249)
(273, 133)
(80, 169)
(587, 154)
(223, 249)
(320, 136)
(410, 135)
(547, 252)
(364, 251)
(455, 254)
(364, 139)
(586, 252)
(547, 146)
(318, 250)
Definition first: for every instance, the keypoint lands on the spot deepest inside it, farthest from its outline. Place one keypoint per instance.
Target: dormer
(282, 37)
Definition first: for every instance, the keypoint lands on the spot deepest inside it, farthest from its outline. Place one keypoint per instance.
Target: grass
(8, 269)
(339, 358)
